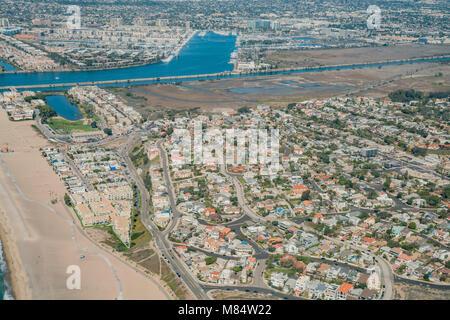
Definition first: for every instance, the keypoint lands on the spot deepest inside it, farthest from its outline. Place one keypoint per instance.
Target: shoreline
(233, 74)
(4, 270)
(104, 68)
(15, 275)
(81, 69)
(41, 239)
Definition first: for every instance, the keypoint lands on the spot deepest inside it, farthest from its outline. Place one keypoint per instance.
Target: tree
(433, 200)
(108, 131)
(405, 95)
(244, 110)
(412, 226)
(446, 192)
(419, 151)
(46, 112)
(387, 184)
(306, 195)
(210, 260)
(237, 269)
(67, 200)
(372, 195)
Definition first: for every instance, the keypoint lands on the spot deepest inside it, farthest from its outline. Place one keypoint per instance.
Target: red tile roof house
(251, 260)
(297, 264)
(317, 218)
(181, 249)
(369, 241)
(396, 251)
(209, 211)
(404, 258)
(343, 291)
(214, 276)
(299, 189)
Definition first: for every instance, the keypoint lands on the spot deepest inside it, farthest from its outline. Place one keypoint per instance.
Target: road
(77, 171)
(386, 271)
(176, 214)
(47, 132)
(387, 278)
(161, 237)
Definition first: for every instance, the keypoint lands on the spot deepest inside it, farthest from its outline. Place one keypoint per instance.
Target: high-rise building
(275, 25)
(4, 22)
(369, 153)
(263, 25)
(115, 22)
(162, 23)
(139, 21)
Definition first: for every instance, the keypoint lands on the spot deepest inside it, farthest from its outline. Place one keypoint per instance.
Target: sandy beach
(41, 237)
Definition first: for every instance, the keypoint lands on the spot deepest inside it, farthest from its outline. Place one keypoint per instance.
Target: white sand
(42, 239)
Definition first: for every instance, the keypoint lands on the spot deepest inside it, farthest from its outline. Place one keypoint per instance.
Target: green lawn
(69, 126)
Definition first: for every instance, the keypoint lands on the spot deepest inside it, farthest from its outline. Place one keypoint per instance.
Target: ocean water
(5, 289)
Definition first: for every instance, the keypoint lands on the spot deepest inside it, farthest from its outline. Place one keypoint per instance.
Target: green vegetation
(67, 200)
(136, 235)
(405, 95)
(372, 195)
(244, 110)
(38, 95)
(417, 151)
(67, 126)
(139, 157)
(46, 112)
(210, 260)
(118, 245)
(412, 226)
(140, 236)
(446, 193)
(169, 277)
(237, 269)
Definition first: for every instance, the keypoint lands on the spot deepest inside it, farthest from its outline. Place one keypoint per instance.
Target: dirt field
(415, 292)
(315, 58)
(427, 79)
(239, 295)
(228, 94)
